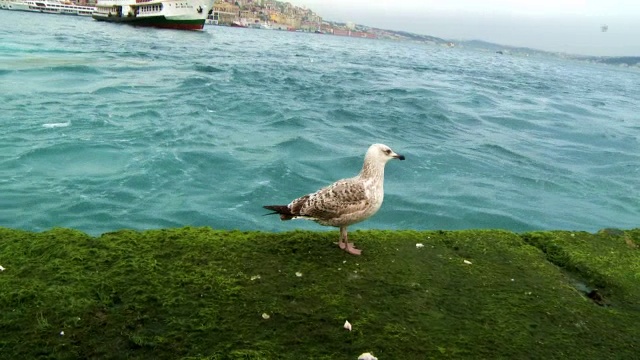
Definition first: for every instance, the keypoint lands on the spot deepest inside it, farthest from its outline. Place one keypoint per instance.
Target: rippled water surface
(107, 126)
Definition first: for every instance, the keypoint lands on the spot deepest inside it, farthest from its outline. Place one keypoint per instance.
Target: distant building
(349, 33)
(224, 13)
(285, 19)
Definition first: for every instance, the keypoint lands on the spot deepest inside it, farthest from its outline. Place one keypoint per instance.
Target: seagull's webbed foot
(351, 249)
(345, 245)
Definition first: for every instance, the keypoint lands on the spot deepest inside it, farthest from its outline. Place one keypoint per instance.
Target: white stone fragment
(255, 277)
(1, 268)
(265, 316)
(367, 356)
(467, 262)
(419, 245)
(347, 325)
(298, 274)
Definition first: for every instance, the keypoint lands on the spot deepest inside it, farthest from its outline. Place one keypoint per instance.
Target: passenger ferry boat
(48, 6)
(170, 14)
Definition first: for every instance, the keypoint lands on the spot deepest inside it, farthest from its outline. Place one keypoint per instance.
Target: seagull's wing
(340, 198)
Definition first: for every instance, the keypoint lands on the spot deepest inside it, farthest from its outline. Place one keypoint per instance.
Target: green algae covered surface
(199, 293)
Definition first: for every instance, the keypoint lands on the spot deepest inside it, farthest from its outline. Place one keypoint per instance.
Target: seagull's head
(382, 153)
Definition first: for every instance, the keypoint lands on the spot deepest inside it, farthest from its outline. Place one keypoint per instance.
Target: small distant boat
(48, 7)
(260, 25)
(168, 14)
(239, 23)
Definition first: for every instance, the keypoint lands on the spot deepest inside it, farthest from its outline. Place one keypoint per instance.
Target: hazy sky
(571, 26)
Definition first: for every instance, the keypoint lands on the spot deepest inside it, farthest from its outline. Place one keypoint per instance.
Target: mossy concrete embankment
(200, 293)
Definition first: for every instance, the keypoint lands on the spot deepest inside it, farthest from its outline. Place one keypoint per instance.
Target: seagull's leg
(348, 247)
(342, 243)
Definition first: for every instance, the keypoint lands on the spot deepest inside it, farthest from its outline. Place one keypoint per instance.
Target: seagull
(346, 201)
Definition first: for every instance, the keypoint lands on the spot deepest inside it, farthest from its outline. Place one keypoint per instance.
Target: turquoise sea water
(107, 126)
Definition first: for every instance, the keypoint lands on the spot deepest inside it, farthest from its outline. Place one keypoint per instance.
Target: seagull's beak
(398, 156)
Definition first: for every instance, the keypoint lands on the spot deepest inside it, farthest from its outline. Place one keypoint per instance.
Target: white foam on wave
(56, 125)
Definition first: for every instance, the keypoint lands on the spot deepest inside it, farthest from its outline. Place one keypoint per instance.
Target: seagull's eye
(388, 151)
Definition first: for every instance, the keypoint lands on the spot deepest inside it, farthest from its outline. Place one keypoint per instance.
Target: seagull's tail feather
(282, 210)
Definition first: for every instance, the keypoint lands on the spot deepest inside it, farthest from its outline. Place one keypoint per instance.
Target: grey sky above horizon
(571, 26)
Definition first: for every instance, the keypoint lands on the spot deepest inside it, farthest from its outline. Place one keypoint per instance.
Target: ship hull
(155, 21)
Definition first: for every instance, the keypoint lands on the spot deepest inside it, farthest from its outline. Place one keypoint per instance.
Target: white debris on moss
(367, 356)
(347, 325)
